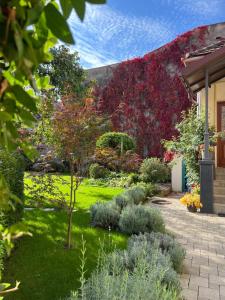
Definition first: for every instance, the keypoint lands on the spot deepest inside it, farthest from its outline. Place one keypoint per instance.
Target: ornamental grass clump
(140, 219)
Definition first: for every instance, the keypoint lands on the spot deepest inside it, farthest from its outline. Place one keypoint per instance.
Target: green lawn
(46, 270)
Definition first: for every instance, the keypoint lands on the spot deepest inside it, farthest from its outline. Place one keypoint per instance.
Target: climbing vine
(145, 96)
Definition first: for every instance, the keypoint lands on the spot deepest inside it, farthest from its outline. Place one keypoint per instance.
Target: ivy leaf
(66, 8)
(79, 6)
(96, 1)
(24, 98)
(57, 24)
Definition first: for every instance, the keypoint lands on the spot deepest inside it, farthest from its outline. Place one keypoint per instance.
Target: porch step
(220, 171)
(219, 191)
(220, 176)
(219, 199)
(219, 208)
(218, 183)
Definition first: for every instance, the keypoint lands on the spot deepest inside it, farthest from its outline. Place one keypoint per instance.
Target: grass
(46, 270)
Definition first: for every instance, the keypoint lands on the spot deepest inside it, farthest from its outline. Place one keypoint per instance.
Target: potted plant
(192, 201)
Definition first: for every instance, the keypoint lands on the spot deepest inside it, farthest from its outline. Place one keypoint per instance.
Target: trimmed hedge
(12, 167)
(114, 140)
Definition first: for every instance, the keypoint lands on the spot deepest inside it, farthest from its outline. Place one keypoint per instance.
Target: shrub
(153, 170)
(147, 279)
(135, 195)
(133, 178)
(96, 171)
(121, 201)
(116, 140)
(105, 215)
(12, 167)
(165, 242)
(149, 188)
(140, 219)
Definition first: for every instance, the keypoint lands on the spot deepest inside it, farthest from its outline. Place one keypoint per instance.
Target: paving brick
(212, 294)
(190, 294)
(196, 281)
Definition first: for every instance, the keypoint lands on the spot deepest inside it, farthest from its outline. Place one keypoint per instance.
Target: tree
(65, 72)
(79, 126)
(29, 28)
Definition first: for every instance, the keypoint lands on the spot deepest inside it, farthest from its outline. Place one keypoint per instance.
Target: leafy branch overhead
(28, 30)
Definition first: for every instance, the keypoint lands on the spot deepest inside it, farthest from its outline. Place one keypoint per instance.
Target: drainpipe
(206, 165)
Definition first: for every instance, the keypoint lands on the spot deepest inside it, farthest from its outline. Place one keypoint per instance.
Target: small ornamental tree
(76, 127)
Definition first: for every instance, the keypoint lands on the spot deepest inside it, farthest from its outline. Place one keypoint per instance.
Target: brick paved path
(203, 237)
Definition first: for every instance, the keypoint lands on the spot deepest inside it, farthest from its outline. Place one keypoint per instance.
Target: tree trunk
(69, 229)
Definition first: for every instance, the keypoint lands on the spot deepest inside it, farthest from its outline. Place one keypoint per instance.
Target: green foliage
(133, 178)
(135, 273)
(105, 215)
(28, 30)
(149, 188)
(153, 170)
(116, 140)
(96, 171)
(191, 135)
(140, 219)
(165, 242)
(65, 72)
(12, 168)
(44, 190)
(45, 251)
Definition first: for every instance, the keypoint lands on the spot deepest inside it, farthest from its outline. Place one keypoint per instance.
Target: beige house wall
(216, 94)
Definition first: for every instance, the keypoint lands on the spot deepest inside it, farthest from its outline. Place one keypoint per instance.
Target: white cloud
(201, 8)
(108, 36)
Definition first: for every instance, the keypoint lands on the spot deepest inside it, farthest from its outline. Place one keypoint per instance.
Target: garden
(76, 220)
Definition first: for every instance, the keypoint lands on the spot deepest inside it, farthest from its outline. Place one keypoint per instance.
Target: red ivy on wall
(145, 96)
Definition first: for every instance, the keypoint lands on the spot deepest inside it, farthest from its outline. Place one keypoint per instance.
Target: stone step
(219, 208)
(219, 190)
(220, 171)
(220, 177)
(219, 183)
(219, 199)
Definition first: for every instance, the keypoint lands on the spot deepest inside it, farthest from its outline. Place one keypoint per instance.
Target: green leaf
(4, 286)
(57, 24)
(79, 6)
(4, 116)
(96, 1)
(24, 98)
(66, 8)
(27, 117)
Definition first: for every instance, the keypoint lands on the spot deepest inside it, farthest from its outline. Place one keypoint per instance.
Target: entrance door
(221, 127)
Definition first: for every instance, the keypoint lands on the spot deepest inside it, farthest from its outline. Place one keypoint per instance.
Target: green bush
(105, 215)
(133, 178)
(140, 219)
(149, 188)
(116, 140)
(130, 275)
(153, 170)
(165, 242)
(133, 196)
(96, 171)
(12, 168)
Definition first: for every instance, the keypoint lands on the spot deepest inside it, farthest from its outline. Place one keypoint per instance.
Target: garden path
(203, 237)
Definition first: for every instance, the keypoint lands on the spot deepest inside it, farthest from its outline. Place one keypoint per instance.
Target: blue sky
(123, 29)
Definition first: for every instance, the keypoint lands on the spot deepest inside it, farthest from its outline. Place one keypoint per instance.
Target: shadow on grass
(45, 268)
